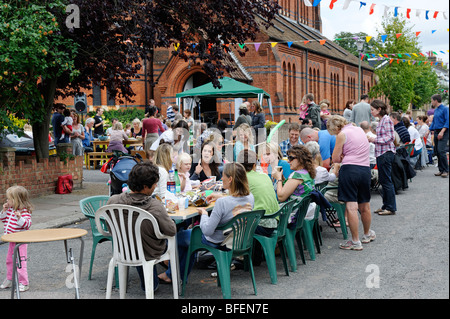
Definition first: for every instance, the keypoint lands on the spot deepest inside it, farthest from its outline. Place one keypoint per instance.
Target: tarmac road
(409, 259)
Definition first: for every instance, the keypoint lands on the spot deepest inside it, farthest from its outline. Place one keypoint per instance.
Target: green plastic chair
(278, 236)
(88, 207)
(339, 208)
(243, 226)
(294, 234)
(311, 228)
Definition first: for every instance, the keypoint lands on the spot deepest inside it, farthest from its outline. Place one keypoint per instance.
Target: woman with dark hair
(208, 165)
(177, 137)
(258, 121)
(301, 181)
(384, 152)
(150, 127)
(244, 117)
(348, 110)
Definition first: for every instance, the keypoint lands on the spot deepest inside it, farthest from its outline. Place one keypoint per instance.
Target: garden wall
(39, 178)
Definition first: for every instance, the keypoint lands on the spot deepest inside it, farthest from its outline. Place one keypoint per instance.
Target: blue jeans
(183, 241)
(384, 164)
(440, 150)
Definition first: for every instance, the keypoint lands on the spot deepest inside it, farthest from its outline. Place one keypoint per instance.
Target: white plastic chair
(128, 250)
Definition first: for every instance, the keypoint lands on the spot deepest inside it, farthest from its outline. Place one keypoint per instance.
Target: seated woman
(301, 181)
(245, 140)
(273, 156)
(239, 200)
(142, 181)
(208, 165)
(415, 138)
(163, 160)
(322, 174)
(116, 139)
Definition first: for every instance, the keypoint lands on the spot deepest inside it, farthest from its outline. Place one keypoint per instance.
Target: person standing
(77, 136)
(150, 128)
(440, 128)
(352, 151)
(98, 125)
(348, 110)
(258, 121)
(361, 111)
(384, 152)
(57, 120)
(313, 111)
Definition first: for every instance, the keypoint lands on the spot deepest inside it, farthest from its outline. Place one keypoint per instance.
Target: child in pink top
(16, 216)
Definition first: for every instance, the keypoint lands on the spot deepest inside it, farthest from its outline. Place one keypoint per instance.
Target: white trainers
(350, 245)
(6, 284)
(368, 238)
(23, 287)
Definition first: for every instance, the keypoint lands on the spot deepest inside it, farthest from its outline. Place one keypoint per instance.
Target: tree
(402, 82)
(347, 40)
(112, 38)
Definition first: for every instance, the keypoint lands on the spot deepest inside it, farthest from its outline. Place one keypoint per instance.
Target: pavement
(56, 210)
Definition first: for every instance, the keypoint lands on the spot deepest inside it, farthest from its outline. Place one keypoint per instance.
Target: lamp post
(359, 46)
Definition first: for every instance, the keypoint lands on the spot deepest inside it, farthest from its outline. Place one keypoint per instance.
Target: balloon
(274, 130)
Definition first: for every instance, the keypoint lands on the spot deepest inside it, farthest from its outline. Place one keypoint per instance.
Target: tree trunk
(42, 128)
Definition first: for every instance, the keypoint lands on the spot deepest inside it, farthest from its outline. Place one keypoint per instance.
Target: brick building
(290, 60)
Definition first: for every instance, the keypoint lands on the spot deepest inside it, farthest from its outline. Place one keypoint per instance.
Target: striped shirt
(12, 224)
(384, 142)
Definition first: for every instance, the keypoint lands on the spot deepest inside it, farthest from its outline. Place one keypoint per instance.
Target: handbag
(64, 184)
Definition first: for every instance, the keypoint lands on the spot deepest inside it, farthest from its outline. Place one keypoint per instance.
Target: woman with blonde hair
(163, 159)
(273, 156)
(238, 200)
(245, 140)
(352, 151)
(77, 136)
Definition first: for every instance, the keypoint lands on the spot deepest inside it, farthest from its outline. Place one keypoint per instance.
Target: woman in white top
(77, 136)
(163, 159)
(322, 174)
(415, 136)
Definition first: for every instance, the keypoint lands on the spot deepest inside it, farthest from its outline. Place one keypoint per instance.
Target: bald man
(326, 142)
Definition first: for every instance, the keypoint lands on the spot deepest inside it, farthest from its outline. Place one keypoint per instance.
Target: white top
(414, 133)
(322, 175)
(161, 187)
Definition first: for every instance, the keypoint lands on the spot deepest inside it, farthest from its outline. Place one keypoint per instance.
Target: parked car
(24, 145)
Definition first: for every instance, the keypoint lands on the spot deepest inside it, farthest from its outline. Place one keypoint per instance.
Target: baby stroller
(120, 169)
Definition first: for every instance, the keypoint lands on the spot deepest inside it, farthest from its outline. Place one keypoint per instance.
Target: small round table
(41, 236)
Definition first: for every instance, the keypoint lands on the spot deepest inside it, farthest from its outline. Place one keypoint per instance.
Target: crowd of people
(339, 149)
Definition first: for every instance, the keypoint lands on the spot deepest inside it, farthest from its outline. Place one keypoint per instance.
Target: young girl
(116, 139)
(16, 216)
(303, 108)
(184, 166)
(244, 140)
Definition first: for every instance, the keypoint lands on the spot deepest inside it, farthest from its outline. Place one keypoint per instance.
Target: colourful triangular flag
(316, 3)
(435, 14)
(241, 45)
(176, 46)
(383, 37)
(257, 46)
(332, 4)
(361, 4)
(368, 38)
(426, 14)
(398, 35)
(289, 43)
(408, 11)
(396, 11)
(371, 8)
(273, 44)
(322, 42)
(390, 61)
(306, 42)
(417, 33)
(415, 55)
(433, 31)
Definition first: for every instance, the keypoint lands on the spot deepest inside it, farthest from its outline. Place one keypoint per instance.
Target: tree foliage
(402, 82)
(348, 42)
(112, 38)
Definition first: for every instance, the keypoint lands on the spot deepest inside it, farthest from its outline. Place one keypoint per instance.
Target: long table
(191, 211)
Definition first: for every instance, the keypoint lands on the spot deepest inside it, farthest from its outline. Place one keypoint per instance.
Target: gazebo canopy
(230, 88)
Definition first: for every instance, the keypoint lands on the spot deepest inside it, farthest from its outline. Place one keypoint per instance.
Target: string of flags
(408, 11)
(401, 57)
(321, 41)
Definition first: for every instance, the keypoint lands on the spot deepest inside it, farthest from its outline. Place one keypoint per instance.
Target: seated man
(400, 128)
(142, 181)
(294, 138)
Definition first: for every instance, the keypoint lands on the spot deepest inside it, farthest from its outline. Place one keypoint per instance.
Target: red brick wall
(38, 178)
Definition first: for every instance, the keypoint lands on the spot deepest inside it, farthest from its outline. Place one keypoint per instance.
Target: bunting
(397, 9)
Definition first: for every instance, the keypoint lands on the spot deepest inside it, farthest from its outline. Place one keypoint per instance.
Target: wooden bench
(96, 158)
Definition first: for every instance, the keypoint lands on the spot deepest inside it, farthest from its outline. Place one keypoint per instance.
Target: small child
(116, 138)
(303, 110)
(184, 164)
(16, 216)
(68, 121)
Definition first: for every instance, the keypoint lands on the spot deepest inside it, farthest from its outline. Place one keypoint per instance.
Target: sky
(354, 20)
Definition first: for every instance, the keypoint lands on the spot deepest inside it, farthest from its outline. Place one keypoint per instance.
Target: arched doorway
(206, 106)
